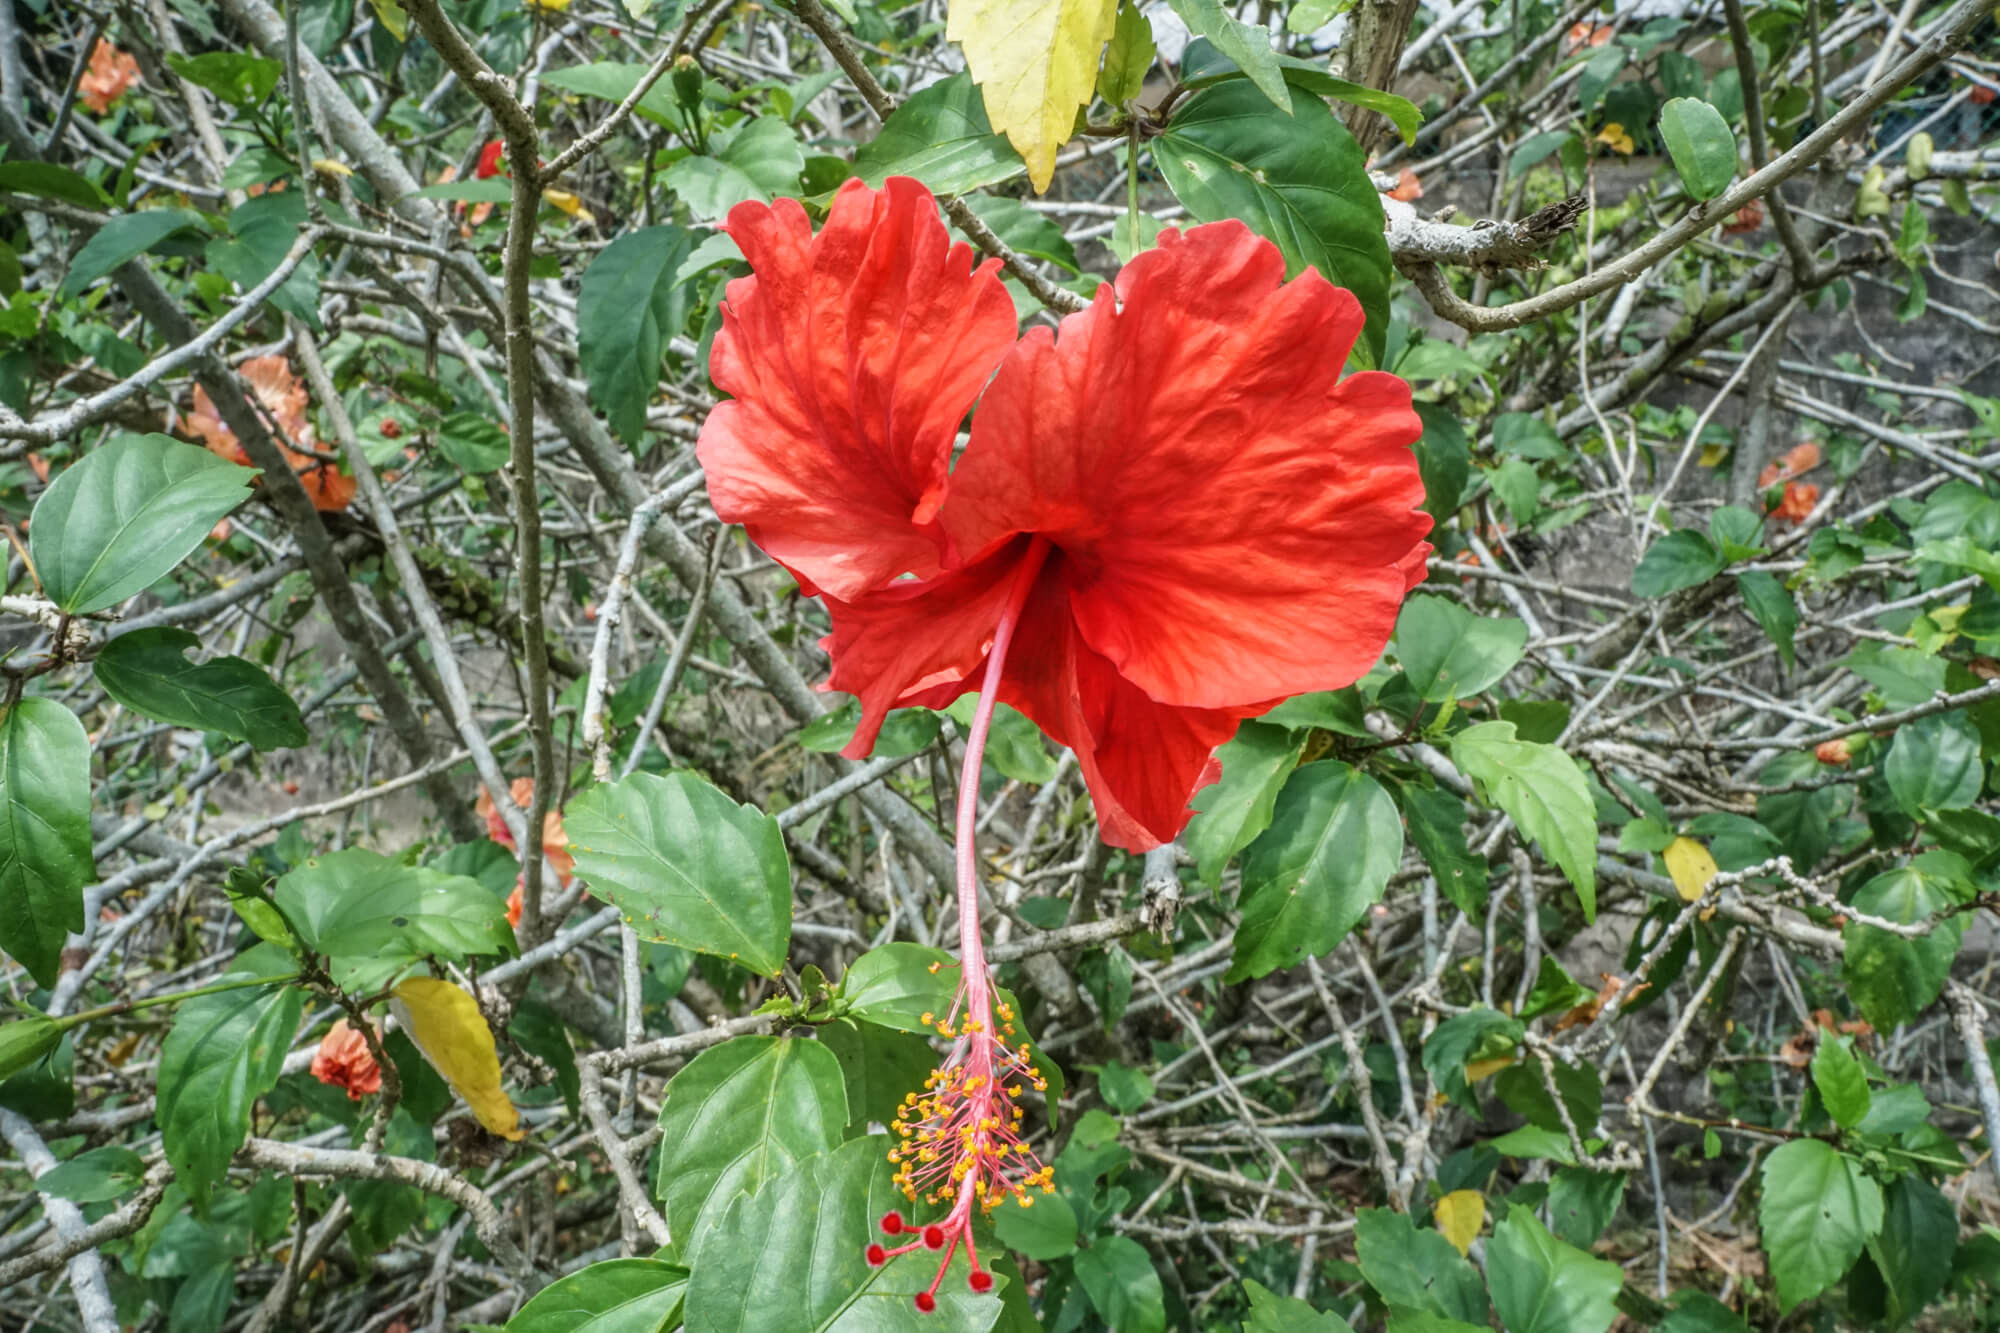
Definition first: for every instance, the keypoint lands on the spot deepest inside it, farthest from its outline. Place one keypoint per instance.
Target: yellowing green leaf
(393, 17)
(1459, 1216)
(1036, 63)
(1690, 865)
(446, 1025)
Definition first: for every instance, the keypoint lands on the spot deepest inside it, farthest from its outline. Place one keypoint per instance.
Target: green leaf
(148, 671)
(940, 136)
(1462, 1038)
(1296, 179)
(375, 916)
(1118, 1277)
(1894, 978)
(1545, 793)
(1843, 1087)
(45, 180)
(1127, 58)
(625, 312)
(879, 1065)
(1541, 1285)
(97, 1176)
(1334, 841)
(240, 80)
(25, 1040)
(1247, 46)
(1436, 820)
(1448, 652)
(45, 861)
(494, 191)
(905, 731)
(1203, 65)
(1025, 232)
(1238, 805)
(1699, 1312)
(1678, 560)
(1582, 1203)
(759, 161)
(613, 81)
(1772, 607)
(123, 239)
(738, 1116)
(1013, 743)
(1701, 145)
(792, 1257)
(1444, 459)
(896, 984)
(1598, 72)
(1124, 1090)
(1535, 149)
(1934, 764)
(614, 1296)
(121, 517)
(1818, 1210)
(1416, 1268)
(1554, 990)
(1044, 1232)
(254, 253)
(474, 444)
(1272, 1313)
(687, 866)
(1912, 1251)
(1519, 487)
(223, 1052)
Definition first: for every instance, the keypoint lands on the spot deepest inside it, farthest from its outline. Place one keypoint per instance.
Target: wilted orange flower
(1747, 218)
(555, 842)
(1408, 187)
(1581, 35)
(514, 906)
(344, 1061)
(281, 395)
(1798, 502)
(1834, 752)
(1795, 462)
(111, 72)
(1981, 95)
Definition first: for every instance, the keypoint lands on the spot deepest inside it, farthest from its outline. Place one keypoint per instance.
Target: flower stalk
(961, 1133)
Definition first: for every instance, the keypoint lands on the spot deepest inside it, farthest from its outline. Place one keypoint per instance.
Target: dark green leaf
(1701, 145)
(1444, 458)
(1582, 1203)
(1818, 1210)
(1914, 1248)
(1334, 841)
(1203, 64)
(1678, 560)
(1541, 1285)
(1699, 1312)
(1894, 977)
(1247, 46)
(45, 180)
(375, 916)
(97, 1176)
(625, 312)
(687, 866)
(1118, 1276)
(1416, 1268)
(792, 1257)
(45, 845)
(223, 1052)
(125, 238)
(1297, 179)
(1272, 1313)
(1462, 1038)
(120, 518)
(741, 1115)
(880, 1065)
(1238, 805)
(613, 82)
(148, 671)
(1772, 606)
(1044, 1232)
(940, 136)
(1448, 652)
(1436, 820)
(614, 1296)
(475, 444)
(254, 253)
(1934, 764)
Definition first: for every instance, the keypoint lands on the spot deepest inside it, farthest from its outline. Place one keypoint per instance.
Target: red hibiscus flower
(1169, 517)
(1797, 503)
(1794, 462)
(107, 77)
(344, 1061)
(1181, 503)
(489, 160)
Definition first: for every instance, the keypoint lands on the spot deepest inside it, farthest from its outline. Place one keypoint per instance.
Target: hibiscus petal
(1241, 523)
(851, 357)
(1142, 760)
(917, 643)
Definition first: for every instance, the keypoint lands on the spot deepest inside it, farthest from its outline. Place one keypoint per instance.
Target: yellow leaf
(1475, 1070)
(1690, 865)
(1614, 137)
(1459, 1215)
(326, 166)
(569, 203)
(1712, 455)
(1036, 63)
(448, 1028)
(393, 17)
(549, 6)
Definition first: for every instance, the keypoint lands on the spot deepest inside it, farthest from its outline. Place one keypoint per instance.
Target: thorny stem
(960, 1133)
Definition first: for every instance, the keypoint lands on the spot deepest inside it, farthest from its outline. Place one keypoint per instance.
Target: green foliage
(45, 842)
(148, 671)
(373, 917)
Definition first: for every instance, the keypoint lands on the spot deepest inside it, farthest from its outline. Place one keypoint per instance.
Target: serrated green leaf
(1448, 652)
(1541, 1285)
(1237, 807)
(1817, 1212)
(1544, 792)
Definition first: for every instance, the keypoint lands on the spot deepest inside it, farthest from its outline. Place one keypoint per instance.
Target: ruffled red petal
(1142, 760)
(1239, 522)
(850, 358)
